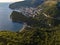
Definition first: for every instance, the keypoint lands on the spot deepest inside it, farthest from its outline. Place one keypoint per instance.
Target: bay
(5, 21)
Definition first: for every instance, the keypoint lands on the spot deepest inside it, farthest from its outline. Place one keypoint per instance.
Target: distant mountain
(26, 3)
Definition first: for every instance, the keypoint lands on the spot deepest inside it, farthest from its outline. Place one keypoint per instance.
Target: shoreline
(24, 26)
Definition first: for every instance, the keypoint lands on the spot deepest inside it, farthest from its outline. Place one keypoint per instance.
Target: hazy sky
(10, 0)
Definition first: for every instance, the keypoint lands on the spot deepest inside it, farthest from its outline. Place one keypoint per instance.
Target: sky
(10, 0)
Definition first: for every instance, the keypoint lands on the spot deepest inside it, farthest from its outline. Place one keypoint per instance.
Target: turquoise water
(5, 21)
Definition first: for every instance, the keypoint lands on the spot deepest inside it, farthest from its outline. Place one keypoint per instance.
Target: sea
(6, 23)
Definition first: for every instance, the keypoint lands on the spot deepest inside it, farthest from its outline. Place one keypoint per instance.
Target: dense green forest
(44, 29)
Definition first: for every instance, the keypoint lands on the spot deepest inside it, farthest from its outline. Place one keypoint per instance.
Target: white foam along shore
(24, 26)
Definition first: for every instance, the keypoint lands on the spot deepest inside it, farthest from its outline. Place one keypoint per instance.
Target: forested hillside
(26, 3)
(43, 29)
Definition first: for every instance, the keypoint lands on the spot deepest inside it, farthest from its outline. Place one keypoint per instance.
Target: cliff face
(17, 17)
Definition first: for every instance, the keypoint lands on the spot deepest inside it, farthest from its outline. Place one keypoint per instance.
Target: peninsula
(41, 25)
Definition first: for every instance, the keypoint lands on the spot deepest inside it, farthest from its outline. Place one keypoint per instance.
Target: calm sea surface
(5, 21)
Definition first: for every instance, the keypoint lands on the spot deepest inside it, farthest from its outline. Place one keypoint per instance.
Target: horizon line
(11, 1)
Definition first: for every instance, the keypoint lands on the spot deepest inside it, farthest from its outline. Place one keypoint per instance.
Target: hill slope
(26, 3)
(38, 35)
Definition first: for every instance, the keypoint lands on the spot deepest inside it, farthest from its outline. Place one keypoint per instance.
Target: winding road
(50, 16)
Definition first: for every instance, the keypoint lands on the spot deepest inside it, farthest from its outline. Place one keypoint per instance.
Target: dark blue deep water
(5, 21)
